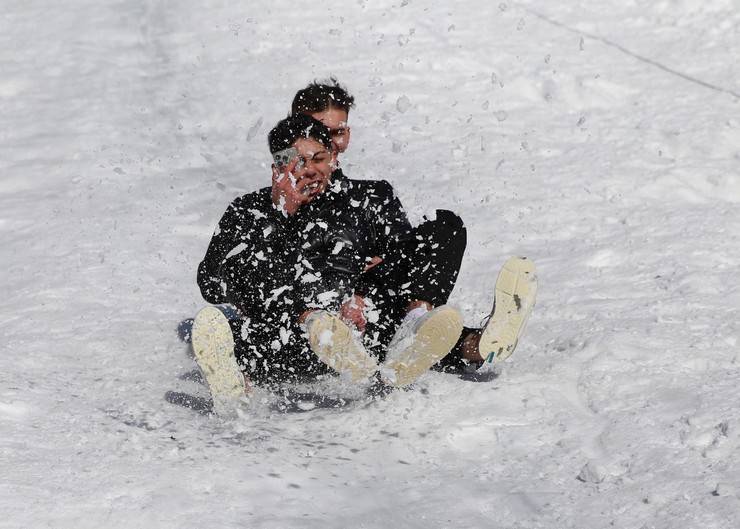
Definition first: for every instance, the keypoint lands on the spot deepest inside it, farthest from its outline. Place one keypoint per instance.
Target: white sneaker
(336, 345)
(421, 341)
(516, 290)
(213, 345)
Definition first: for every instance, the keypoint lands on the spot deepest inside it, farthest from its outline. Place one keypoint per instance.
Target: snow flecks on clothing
(327, 298)
(257, 213)
(275, 293)
(236, 250)
(284, 335)
(337, 248)
(326, 337)
(310, 278)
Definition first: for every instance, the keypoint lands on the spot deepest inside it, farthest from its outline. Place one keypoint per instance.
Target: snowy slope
(601, 139)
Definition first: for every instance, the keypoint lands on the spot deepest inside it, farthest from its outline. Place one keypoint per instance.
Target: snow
(325, 338)
(600, 139)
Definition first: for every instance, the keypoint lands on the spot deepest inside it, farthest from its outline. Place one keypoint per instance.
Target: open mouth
(311, 189)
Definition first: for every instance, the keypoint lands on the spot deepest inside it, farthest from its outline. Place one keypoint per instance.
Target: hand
(304, 316)
(353, 311)
(288, 193)
(372, 263)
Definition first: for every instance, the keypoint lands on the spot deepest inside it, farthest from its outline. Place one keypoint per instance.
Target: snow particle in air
(254, 129)
(403, 104)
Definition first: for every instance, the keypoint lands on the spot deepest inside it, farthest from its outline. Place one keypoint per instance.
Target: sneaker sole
(213, 345)
(516, 290)
(333, 343)
(435, 337)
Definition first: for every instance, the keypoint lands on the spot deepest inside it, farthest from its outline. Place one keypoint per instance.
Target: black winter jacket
(272, 267)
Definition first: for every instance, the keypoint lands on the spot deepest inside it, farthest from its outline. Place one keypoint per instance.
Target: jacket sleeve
(224, 240)
(388, 220)
(391, 232)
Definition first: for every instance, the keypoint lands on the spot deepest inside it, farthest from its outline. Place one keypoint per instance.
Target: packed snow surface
(599, 138)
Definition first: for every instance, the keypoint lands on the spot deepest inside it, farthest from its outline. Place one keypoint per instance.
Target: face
(313, 169)
(335, 119)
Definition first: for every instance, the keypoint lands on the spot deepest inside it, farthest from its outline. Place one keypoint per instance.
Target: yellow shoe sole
(516, 291)
(435, 336)
(213, 345)
(332, 341)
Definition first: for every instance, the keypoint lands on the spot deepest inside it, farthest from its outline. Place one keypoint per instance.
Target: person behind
(444, 237)
(439, 245)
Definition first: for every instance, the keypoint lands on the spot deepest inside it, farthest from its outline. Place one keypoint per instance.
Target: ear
(349, 135)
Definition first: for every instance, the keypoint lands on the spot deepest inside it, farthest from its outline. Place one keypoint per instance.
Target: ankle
(417, 303)
(416, 313)
(469, 349)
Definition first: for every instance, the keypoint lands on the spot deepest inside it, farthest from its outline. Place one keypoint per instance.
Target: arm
(224, 240)
(391, 230)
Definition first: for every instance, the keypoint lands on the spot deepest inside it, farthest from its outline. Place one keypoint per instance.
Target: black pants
(424, 268)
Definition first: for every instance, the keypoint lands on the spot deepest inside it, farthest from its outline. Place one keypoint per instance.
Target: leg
(443, 243)
(427, 334)
(435, 258)
(213, 345)
(516, 290)
(515, 293)
(420, 273)
(464, 353)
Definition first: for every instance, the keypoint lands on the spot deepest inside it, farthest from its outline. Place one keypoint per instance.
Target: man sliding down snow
(316, 258)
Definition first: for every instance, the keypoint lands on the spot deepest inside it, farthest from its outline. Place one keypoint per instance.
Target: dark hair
(288, 130)
(317, 97)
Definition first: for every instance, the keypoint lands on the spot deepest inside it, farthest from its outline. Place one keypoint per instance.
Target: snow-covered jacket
(272, 267)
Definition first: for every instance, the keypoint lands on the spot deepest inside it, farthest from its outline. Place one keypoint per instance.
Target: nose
(309, 167)
(307, 172)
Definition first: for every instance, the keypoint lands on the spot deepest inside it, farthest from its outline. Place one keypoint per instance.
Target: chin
(315, 193)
